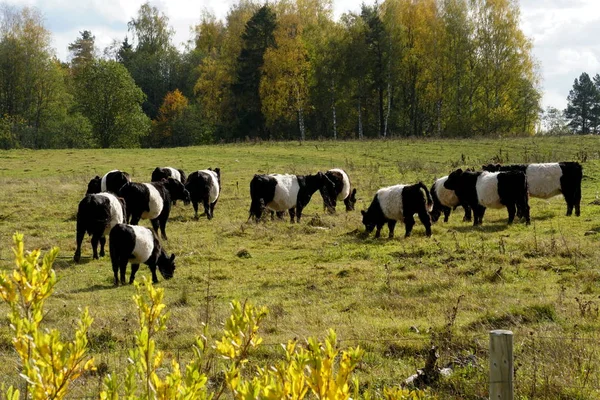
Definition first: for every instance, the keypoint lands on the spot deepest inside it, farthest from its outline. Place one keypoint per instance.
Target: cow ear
(218, 171)
(363, 212)
(353, 193)
(172, 257)
(97, 177)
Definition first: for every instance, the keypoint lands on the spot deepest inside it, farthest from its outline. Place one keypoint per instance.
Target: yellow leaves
(48, 364)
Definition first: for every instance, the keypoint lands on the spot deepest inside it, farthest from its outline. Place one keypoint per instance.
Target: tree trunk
(360, 126)
(389, 106)
(333, 109)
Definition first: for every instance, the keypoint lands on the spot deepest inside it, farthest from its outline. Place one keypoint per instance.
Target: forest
(287, 70)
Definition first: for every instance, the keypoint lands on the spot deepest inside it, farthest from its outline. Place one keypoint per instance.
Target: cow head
(350, 201)
(367, 221)
(453, 180)
(94, 186)
(177, 190)
(166, 265)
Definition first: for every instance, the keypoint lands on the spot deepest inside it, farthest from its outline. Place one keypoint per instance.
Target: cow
(97, 214)
(399, 203)
(287, 193)
(112, 181)
(152, 201)
(480, 190)
(550, 179)
(343, 190)
(161, 173)
(137, 244)
(445, 200)
(204, 187)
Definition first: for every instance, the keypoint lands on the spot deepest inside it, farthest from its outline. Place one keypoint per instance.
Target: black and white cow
(161, 173)
(287, 193)
(204, 187)
(445, 200)
(96, 215)
(550, 179)
(112, 181)
(152, 201)
(399, 203)
(481, 190)
(137, 244)
(343, 190)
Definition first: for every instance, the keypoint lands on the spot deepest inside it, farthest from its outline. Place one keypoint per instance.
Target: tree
(554, 122)
(257, 38)
(83, 51)
(172, 109)
(108, 97)
(583, 105)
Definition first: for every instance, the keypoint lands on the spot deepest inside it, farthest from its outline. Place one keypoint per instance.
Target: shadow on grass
(62, 262)
(95, 288)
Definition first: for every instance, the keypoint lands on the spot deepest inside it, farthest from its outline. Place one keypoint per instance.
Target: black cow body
(152, 201)
(111, 182)
(343, 189)
(491, 189)
(204, 187)
(136, 244)
(445, 200)
(97, 214)
(290, 193)
(399, 203)
(550, 179)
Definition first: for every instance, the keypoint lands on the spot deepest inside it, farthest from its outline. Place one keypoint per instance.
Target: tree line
(285, 70)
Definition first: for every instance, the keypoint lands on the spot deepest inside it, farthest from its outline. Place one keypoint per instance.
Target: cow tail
(428, 196)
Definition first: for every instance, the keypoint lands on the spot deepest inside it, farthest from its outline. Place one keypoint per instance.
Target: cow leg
(467, 217)
(102, 243)
(155, 224)
(391, 227)
(426, 221)
(119, 265)
(524, 207)
(206, 208)
(80, 236)
(378, 231)
(511, 208)
(163, 225)
(195, 205)
(292, 212)
(134, 269)
(212, 208)
(409, 222)
(478, 212)
(153, 271)
(95, 240)
(280, 214)
(122, 271)
(298, 213)
(272, 215)
(447, 212)
(135, 219)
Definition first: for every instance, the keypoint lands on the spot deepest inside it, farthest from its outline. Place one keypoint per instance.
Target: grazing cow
(343, 190)
(491, 189)
(445, 200)
(549, 180)
(168, 172)
(153, 201)
(112, 181)
(96, 215)
(287, 192)
(204, 186)
(138, 245)
(399, 203)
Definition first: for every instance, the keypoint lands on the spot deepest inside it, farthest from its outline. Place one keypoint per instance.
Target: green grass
(542, 281)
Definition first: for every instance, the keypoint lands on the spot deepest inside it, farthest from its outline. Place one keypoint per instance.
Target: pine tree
(583, 105)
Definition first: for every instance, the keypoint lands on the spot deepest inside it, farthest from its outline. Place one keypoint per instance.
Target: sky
(563, 32)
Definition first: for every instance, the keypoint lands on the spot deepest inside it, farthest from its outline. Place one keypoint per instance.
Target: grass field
(393, 297)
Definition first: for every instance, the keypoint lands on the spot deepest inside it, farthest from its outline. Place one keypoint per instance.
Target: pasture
(393, 297)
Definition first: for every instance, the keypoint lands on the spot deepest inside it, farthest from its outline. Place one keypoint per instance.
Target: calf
(399, 203)
(342, 191)
(112, 181)
(138, 245)
(491, 189)
(96, 215)
(152, 201)
(549, 180)
(287, 192)
(445, 200)
(204, 186)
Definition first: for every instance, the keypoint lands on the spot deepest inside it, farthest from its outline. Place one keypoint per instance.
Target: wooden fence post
(501, 365)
